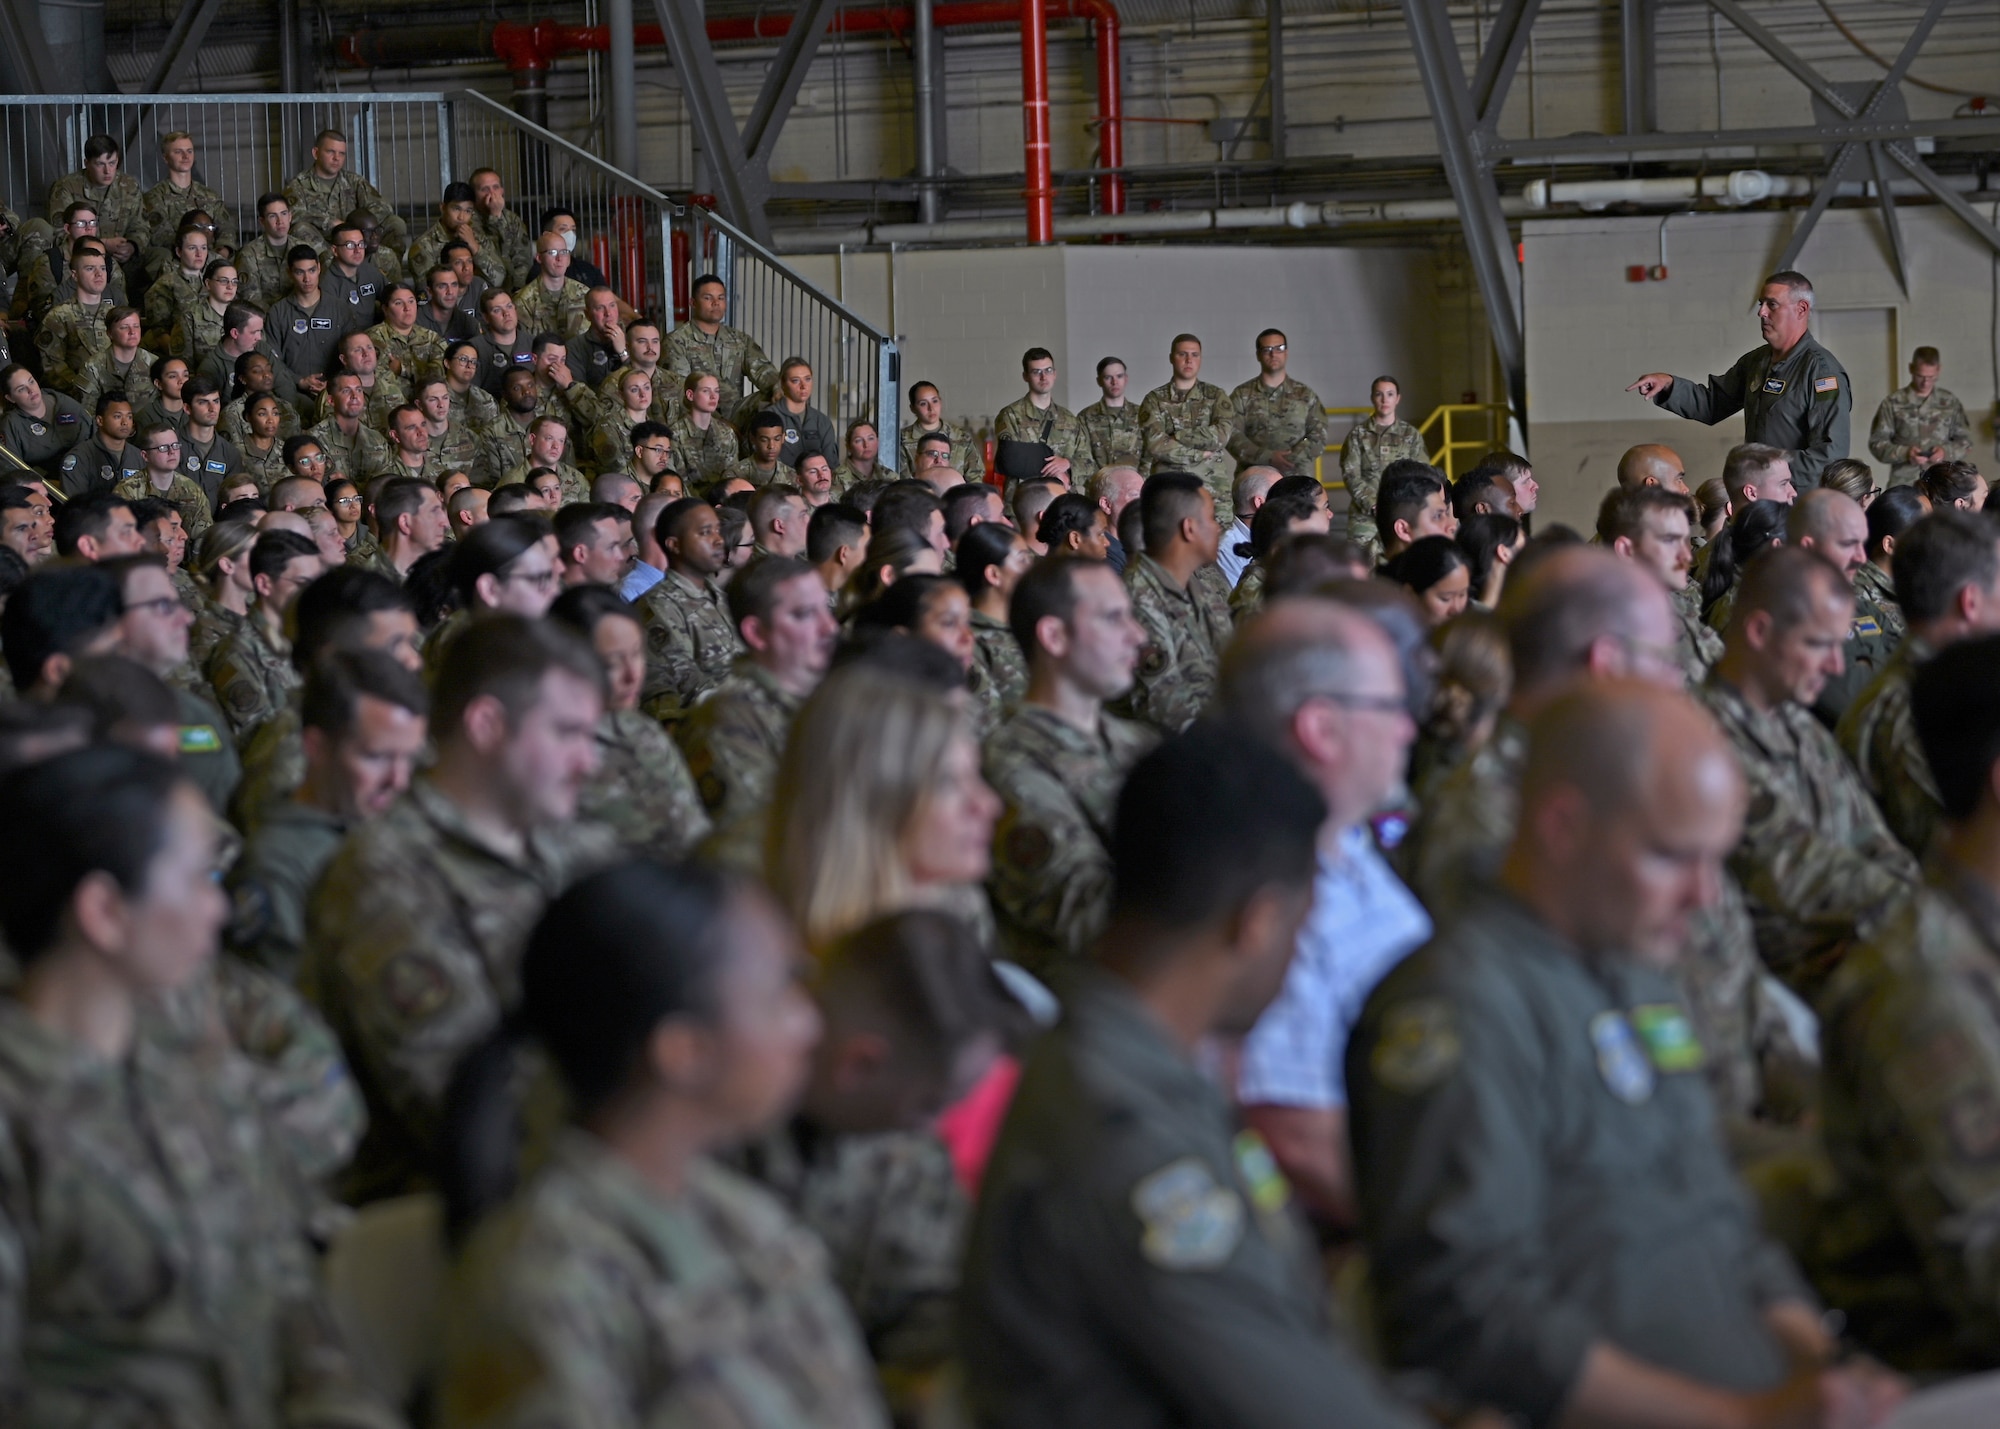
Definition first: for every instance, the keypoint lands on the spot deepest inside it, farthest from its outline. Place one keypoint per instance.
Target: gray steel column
(288, 50)
(923, 50)
(1638, 28)
(622, 79)
(1274, 69)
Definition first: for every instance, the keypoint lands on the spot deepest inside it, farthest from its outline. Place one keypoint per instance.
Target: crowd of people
(830, 943)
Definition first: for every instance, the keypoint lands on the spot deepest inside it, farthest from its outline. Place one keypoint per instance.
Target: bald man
(1834, 524)
(1552, 1227)
(1651, 464)
(1817, 862)
(1584, 613)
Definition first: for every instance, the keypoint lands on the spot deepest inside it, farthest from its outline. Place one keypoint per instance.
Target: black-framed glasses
(1270, 347)
(162, 447)
(160, 605)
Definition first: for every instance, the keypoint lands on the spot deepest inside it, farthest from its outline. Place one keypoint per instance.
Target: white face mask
(569, 239)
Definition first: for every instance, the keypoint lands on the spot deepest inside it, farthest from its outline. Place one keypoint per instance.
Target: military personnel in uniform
(1816, 861)
(1831, 523)
(122, 367)
(1134, 1257)
(41, 425)
(548, 446)
(502, 228)
(415, 931)
(108, 456)
(705, 445)
(414, 354)
(163, 478)
(363, 714)
(1652, 526)
(305, 326)
(1180, 602)
(1057, 763)
(706, 343)
(350, 276)
(1552, 1226)
(50, 277)
(263, 265)
(73, 333)
(927, 403)
(178, 289)
(760, 465)
(630, 1286)
(251, 670)
(1277, 420)
(353, 449)
(690, 640)
(1920, 424)
(1793, 393)
(1117, 437)
(1372, 445)
(553, 302)
(735, 734)
(1913, 1059)
(180, 193)
(1038, 417)
(989, 560)
(172, 1181)
(120, 207)
(1950, 569)
(458, 220)
(325, 192)
(1188, 424)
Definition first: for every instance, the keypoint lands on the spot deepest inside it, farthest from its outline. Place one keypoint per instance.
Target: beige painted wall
(1590, 332)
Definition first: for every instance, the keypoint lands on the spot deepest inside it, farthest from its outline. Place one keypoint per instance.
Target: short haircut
(338, 680)
(581, 607)
(1926, 357)
(510, 499)
(334, 611)
(1955, 706)
(88, 515)
(573, 522)
(704, 281)
(1940, 556)
(961, 504)
(506, 657)
(1557, 609)
(1104, 362)
(1785, 583)
(753, 591)
(148, 509)
(1048, 587)
(1626, 510)
(767, 503)
(326, 134)
(277, 549)
(1181, 337)
(199, 385)
(1746, 465)
(908, 505)
(765, 421)
(1167, 499)
(300, 253)
(1251, 483)
(1068, 512)
(1036, 354)
(56, 611)
(268, 201)
(1891, 514)
(939, 438)
(1407, 486)
(1479, 485)
(832, 526)
(1800, 285)
(611, 484)
(650, 431)
(1206, 821)
(1270, 674)
(667, 527)
(399, 497)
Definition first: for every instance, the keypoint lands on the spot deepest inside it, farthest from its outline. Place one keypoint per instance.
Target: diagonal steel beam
(1890, 226)
(782, 80)
(183, 47)
(27, 47)
(1488, 243)
(741, 188)
(1505, 45)
(1971, 217)
(1809, 220)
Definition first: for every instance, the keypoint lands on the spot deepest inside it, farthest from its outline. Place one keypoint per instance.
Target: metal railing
(1493, 416)
(409, 145)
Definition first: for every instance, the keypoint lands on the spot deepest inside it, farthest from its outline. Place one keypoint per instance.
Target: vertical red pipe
(1040, 193)
(1110, 112)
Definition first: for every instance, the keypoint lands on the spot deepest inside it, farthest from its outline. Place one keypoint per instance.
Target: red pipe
(531, 48)
(1040, 193)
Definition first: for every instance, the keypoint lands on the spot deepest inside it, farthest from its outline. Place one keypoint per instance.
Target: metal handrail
(1445, 456)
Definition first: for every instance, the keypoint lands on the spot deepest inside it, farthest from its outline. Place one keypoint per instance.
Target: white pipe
(1733, 190)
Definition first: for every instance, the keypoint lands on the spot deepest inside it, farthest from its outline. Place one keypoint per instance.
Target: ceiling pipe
(528, 50)
(1732, 190)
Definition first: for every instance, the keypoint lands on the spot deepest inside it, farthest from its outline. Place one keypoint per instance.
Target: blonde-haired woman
(223, 569)
(880, 807)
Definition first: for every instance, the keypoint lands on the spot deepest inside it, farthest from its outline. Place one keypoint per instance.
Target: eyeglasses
(228, 280)
(160, 605)
(351, 243)
(540, 580)
(345, 501)
(1265, 347)
(657, 449)
(163, 447)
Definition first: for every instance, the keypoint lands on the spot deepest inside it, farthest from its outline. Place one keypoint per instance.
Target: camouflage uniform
(1247, 597)
(69, 337)
(360, 458)
(253, 677)
(562, 312)
(1180, 426)
(428, 253)
(1869, 647)
(668, 400)
(262, 270)
(103, 373)
(705, 455)
(591, 1299)
(1117, 438)
(1816, 862)
(611, 440)
(1905, 420)
(164, 206)
(322, 203)
(474, 409)
(420, 351)
(642, 790)
(575, 485)
(1696, 647)
(384, 397)
(120, 206)
(282, 859)
(1186, 630)
(1875, 593)
(1364, 456)
(1051, 875)
(266, 468)
(507, 234)
(413, 939)
(1911, 1106)
(731, 354)
(967, 454)
(999, 670)
(274, 766)
(1287, 421)
(39, 289)
(152, 1270)
(213, 624)
(1054, 426)
(1878, 735)
(777, 474)
(503, 446)
(456, 450)
(197, 332)
(891, 1214)
(183, 495)
(690, 643)
(733, 739)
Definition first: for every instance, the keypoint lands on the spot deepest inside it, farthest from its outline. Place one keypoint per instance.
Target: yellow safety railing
(1444, 419)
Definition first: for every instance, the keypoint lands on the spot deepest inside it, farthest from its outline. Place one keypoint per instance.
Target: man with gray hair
(1833, 523)
(1792, 392)
(1322, 683)
(1114, 488)
(1253, 484)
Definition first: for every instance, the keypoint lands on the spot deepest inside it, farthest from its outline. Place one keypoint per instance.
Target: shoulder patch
(1270, 1192)
(1826, 384)
(1669, 1037)
(200, 739)
(1417, 1048)
(1865, 625)
(1619, 1061)
(1191, 1221)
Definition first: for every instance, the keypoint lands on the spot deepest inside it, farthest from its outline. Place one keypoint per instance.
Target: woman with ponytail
(632, 1280)
(1758, 526)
